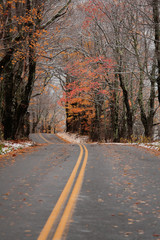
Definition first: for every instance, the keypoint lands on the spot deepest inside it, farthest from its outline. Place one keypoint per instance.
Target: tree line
(120, 99)
(23, 30)
(105, 54)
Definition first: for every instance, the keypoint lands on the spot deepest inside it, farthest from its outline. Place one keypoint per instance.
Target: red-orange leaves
(87, 88)
(94, 10)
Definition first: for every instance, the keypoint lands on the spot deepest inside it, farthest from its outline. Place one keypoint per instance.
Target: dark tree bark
(156, 19)
(7, 118)
(7, 73)
(114, 109)
(96, 126)
(23, 107)
(147, 120)
(129, 111)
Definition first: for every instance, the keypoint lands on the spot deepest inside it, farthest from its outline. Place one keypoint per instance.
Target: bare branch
(60, 13)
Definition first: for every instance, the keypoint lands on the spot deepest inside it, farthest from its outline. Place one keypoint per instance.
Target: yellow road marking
(72, 201)
(63, 139)
(45, 139)
(63, 197)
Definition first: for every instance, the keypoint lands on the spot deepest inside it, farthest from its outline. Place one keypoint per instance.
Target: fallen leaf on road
(5, 198)
(127, 233)
(130, 221)
(120, 214)
(140, 231)
(7, 194)
(100, 200)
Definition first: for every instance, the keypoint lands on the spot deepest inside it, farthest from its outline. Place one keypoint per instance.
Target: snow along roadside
(9, 146)
(74, 138)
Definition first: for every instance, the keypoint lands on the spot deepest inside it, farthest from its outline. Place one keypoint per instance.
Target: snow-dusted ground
(153, 145)
(73, 138)
(9, 146)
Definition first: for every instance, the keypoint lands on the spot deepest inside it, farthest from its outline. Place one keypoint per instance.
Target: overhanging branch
(60, 13)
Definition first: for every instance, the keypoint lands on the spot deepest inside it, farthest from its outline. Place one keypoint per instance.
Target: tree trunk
(23, 106)
(129, 112)
(114, 107)
(147, 121)
(95, 133)
(156, 19)
(123, 128)
(148, 129)
(7, 117)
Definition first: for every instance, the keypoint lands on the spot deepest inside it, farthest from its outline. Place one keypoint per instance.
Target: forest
(90, 67)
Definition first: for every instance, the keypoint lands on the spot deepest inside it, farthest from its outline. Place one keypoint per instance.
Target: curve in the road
(46, 140)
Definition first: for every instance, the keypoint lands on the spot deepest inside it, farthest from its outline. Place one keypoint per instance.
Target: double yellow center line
(70, 204)
(46, 140)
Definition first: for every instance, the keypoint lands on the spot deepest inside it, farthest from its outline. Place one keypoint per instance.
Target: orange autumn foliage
(87, 89)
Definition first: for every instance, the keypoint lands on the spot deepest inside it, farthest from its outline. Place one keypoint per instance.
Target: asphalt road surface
(80, 192)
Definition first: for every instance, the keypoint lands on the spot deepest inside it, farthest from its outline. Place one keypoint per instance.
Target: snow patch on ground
(153, 145)
(9, 146)
(73, 138)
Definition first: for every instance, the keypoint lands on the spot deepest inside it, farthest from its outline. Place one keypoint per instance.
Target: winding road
(58, 191)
